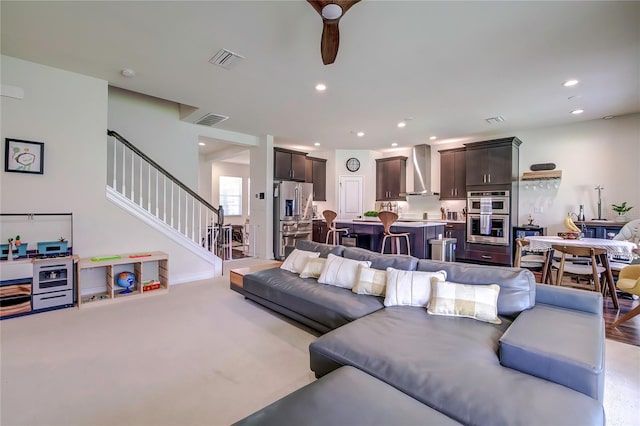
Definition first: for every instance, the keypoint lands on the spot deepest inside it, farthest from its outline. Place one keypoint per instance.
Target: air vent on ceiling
(211, 119)
(226, 59)
(494, 120)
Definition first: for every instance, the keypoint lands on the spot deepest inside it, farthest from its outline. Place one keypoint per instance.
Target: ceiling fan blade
(330, 41)
(345, 4)
(330, 32)
(318, 5)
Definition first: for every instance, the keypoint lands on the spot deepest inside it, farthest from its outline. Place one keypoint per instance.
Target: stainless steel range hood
(421, 160)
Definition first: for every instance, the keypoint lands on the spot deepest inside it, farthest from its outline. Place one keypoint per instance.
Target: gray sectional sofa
(543, 365)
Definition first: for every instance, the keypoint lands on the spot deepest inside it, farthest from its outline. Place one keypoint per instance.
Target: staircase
(139, 185)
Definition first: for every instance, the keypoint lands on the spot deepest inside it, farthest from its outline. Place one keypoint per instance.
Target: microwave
(488, 202)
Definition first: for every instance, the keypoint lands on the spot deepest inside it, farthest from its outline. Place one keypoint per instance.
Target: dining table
(614, 248)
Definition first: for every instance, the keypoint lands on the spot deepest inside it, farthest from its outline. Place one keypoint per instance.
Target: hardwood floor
(627, 332)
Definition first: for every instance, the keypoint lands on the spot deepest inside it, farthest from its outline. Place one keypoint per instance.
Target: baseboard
(186, 278)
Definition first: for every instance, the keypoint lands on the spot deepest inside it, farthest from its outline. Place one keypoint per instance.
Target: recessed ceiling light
(360, 134)
(570, 83)
(402, 124)
(577, 111)
(607, 117)
(316, 144)
(128, 72)
(574, 98)
(394, 144)
(321, 87)
(433, 138)
(201, 143)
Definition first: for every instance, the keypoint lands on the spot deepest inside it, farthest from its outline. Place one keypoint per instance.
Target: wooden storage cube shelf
(96, 279)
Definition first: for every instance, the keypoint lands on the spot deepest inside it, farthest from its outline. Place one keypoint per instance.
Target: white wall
(69, 113)
(153, 125)
(261, 160)
(605, 152)
(589, 153)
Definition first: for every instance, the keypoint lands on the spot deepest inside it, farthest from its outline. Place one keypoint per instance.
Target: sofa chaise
(541, 361)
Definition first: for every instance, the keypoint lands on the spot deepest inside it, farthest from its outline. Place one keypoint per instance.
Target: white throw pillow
(313, 268)
(479, 302)
(297, 259)
(412, 288)
(340, 271)
(370, 281)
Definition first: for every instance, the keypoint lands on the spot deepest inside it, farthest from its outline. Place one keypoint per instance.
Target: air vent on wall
(226, 59)
(211, 119)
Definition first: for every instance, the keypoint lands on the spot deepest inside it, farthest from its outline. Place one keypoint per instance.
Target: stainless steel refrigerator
(292, 215)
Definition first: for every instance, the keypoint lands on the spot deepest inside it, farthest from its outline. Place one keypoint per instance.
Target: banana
(570, 225)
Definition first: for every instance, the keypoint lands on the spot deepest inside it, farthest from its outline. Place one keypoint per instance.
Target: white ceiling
(446, 65)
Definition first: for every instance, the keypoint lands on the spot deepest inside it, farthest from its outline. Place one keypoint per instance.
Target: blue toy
(126, 280)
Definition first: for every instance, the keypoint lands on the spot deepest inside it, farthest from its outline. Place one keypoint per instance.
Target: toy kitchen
(36, 263)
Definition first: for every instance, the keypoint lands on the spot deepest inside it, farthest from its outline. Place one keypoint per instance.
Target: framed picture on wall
(23, 156)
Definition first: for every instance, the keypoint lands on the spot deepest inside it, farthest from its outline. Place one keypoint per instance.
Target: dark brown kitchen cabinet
(453, 174)
(316, 173)
(319, 231)
(459, 232)
(493, 162)
(289, 165)
(391, 178)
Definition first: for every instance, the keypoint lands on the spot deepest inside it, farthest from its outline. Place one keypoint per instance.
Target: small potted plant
(370, 215)
(622, 210)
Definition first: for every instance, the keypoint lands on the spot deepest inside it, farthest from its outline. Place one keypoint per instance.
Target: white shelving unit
(96, 278)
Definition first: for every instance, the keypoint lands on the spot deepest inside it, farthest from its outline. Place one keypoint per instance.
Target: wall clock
(353, 164)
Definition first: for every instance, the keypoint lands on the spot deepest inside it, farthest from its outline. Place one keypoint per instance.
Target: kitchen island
(369, 232)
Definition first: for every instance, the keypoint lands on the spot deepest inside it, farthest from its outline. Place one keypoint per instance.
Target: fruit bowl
(570, 235)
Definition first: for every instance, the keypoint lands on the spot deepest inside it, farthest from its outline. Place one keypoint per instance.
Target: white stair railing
(143, 182)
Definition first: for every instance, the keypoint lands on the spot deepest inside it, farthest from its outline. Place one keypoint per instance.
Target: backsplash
(417, 206)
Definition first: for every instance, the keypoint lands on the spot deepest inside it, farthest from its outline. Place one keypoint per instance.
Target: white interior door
(350, 197)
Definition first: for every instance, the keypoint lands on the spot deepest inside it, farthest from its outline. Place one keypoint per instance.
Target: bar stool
(387, 218)
(329, 216)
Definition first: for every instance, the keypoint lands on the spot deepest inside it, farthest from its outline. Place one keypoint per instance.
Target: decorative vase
(621, 217)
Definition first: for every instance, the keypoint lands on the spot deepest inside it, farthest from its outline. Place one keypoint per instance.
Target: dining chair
(572, 262)
(332, 231)
(387, 218)
(629, 282)
(527, 259)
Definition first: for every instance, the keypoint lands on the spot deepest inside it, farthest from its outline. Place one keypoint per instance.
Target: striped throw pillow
(479, 302)
(313, 268)
(340, 271)
(370, 281)
(410, 288)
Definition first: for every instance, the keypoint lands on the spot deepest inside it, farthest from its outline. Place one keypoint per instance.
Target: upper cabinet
(316, 173)
(453, 174)
(289, 165)
(493, 162)
(391, 178)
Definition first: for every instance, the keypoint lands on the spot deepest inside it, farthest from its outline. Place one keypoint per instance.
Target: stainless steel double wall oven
(488, 218)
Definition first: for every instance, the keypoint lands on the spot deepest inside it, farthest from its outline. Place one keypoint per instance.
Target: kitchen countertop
(407, 224)
(596, 222)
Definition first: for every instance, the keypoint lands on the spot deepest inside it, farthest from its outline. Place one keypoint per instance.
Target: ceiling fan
(331, 12)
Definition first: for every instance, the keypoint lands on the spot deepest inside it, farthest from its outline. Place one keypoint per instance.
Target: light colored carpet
(199, 355)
